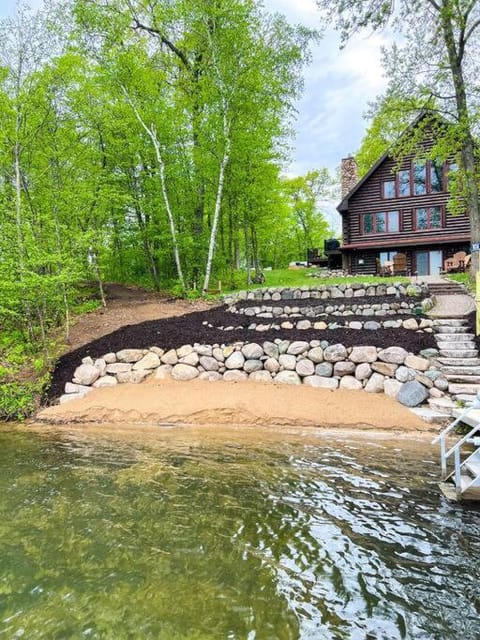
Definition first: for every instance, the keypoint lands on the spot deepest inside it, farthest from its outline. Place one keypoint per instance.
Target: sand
(198, 402)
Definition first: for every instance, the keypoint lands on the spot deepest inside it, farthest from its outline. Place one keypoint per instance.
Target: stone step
(449, 322)
(454, 337)
(465, 399)
(442, 405)
(462, 378)
(469, 389)
(449, 330)
(458, 362)
(461, 370)
(461, 346)
(459, 353)
(432, 416)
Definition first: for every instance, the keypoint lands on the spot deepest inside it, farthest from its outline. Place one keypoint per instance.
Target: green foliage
(18, 400)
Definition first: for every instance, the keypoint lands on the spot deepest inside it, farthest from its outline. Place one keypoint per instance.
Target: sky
(339, 84)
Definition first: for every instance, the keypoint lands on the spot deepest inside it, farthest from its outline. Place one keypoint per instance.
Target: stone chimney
(348, 175)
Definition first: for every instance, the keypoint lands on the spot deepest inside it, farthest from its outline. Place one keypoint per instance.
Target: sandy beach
(169, 402)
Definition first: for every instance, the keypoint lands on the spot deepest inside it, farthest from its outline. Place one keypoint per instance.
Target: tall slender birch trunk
(218, 200)
(152, 133)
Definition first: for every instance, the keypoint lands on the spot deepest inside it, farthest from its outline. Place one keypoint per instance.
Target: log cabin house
(400, 207)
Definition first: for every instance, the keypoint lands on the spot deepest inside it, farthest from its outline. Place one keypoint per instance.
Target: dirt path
(127, 306)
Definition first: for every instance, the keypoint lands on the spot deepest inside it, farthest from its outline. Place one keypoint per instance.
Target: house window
(436, 176)
(382, 222)
(387, 256)
(404, 182)
(388, 189)
(428, 218)
(419, 178)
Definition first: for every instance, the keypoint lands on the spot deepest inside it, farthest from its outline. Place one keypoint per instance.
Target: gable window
(436, 176)
(382, 222)
(419, 178)
(388, 189)
(404, 182)
(428, 218)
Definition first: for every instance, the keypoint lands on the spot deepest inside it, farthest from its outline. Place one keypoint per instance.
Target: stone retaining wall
(409, 378)
(331, 309)
(423, 324)
(327, 292)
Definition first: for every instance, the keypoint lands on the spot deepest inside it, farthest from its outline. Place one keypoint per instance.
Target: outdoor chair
(400, 264)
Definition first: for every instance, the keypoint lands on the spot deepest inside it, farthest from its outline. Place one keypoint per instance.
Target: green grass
(463, 278)
(300, 277)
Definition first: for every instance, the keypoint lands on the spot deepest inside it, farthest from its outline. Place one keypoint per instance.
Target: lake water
(203, 534)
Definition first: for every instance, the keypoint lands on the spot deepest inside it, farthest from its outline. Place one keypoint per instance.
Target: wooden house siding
(363, 248)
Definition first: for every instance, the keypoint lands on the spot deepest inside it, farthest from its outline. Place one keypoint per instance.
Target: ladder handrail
(463, 440)
(475, 405)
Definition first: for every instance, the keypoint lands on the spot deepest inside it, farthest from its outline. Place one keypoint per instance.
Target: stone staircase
(446, 288)
(458, 357)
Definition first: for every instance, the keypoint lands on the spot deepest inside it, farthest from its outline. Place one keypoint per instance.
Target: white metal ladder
(465, 475)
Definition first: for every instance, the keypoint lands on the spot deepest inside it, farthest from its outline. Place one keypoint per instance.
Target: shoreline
(171, 403)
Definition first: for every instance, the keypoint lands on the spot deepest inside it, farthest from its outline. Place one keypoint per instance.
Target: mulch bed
(315, 302)
(174, 332)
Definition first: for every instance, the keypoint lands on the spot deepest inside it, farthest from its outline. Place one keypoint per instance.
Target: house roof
(343, 206)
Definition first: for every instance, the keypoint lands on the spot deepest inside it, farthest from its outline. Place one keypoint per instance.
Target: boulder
(106, 381)
(271, 349)
(298, 347)
(321, 382)
(235, 375)
(217, 353)
(320, 326)
(86, 374)
(191, 358)
(410, 323)
(132, 377)
(404, 374)
(363, 354)
(287, 361)
(425, 380)
(68, 397)
(251, 366)
(119, 367)
(209, 363)
(260, 376)
(70, 387)
(324, 369)
(183, 351)
(303, 325)
(392, 387)
(109, 358)
(170, 357)
(394, 355)
(344, 368)
(252, 351)
(87, 360)
(335, 353)
(150, 361)
(288, 377)
(385, 368)
(316, 355)
(211, 376)
(371, 325)
(355, 324)
(363, 371)
(305, 368)
(414, 362)
(350, 383)
(412, 394)
(271, 365)
(375, 383)
(129, 355)
(203, 350)
(101, 366)
(184, 372)
(235, 360)
(441, 384)
(163, 371)
(157, 351)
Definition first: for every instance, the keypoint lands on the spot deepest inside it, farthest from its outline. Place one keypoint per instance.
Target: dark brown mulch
(315, 302)
(174, 332)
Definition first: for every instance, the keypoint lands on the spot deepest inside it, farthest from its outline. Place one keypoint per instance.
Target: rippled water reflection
(196, 534)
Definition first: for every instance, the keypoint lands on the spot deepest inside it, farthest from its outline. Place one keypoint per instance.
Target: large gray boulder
(86, 374)
(375, 383)
(350, 383)
(184, 372)
(394, 355)
(287, 361)
(236, 360)
(363, 354)
(252, 351)
(129, 355)
(150, 361)
(321, 382)
(298, 347)
(305, 368)
(288, 377)
(335, 353)
(412, 394)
